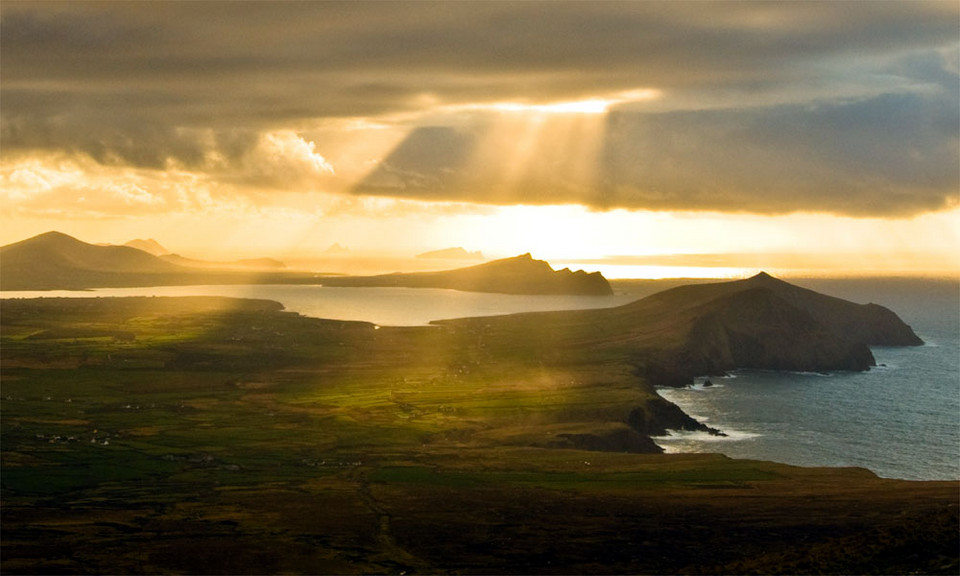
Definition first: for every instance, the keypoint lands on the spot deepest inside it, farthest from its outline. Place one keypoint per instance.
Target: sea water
(383, 306)
(900, 419)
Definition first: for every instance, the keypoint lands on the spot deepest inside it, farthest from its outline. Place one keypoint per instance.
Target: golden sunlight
(595, 105)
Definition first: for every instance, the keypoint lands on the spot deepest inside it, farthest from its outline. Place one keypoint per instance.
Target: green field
(210, 435)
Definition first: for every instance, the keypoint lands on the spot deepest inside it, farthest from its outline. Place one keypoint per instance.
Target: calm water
(384, 306)
(901, 420)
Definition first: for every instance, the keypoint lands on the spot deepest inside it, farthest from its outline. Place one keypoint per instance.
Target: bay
(382, 306)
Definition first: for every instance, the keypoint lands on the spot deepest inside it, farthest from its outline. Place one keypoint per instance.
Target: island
(518, 275)
(217, 435)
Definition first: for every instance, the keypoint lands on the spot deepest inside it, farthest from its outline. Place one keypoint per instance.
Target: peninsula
(518, 275)
(214, 435)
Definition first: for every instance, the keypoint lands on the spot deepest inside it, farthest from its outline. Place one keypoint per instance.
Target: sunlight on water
(384, 306)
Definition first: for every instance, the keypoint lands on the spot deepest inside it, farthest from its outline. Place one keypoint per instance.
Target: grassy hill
(704, 329)
(57, 261)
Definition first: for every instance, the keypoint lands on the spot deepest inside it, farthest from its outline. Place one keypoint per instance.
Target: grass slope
(211, 435)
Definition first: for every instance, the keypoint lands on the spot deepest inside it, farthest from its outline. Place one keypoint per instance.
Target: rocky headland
(518, 275)
(671, 337)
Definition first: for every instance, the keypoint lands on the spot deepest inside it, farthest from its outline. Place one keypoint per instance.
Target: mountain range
(56, 261)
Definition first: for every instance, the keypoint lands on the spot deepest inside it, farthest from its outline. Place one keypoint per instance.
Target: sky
(567, 129)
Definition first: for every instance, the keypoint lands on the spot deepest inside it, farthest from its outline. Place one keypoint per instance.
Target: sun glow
(593, 106)
(596, 105)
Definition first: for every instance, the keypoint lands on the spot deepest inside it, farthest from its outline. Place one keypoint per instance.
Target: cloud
(889, 155)
(894, 154)
(278, 159)
(64, 187)
(232, 96)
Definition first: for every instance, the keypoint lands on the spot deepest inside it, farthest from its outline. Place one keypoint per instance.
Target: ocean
(899, 420)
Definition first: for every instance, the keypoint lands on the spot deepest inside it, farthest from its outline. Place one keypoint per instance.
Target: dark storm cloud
(143, 85)
(888, 155)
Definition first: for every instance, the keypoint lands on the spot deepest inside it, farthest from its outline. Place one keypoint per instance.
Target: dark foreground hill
(221, 436)
(517, 275)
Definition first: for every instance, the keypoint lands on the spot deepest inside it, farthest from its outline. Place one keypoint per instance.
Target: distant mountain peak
(336, 249)
(148, 245)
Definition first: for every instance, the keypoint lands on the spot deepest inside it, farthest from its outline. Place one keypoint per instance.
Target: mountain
(517, 275)
(708, 329)
(57, 261)
(457, 253)
(149, 246)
